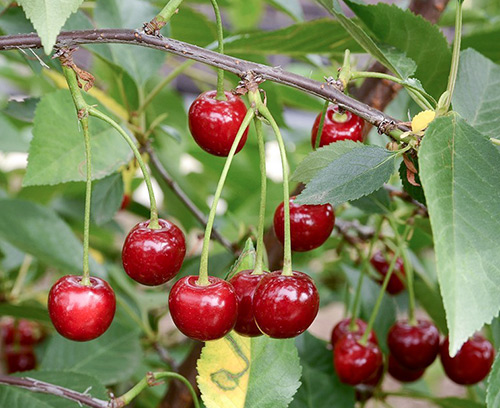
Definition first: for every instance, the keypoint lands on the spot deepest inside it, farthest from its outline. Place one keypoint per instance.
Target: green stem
(145, 327)
(259, 267)
(220, 49)
(203, 275)
(168, 11)
(495, 141)
(345, 74)
(321, 125)
(21, 277)
(154, 210)
(149, 381)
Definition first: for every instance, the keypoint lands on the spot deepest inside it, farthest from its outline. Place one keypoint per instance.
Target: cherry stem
(150, 380)
(21, 277)
(262, 210)
(345, 72)
(220, 49)
(203, 275)
(321, 125)
(264, 111)
(153, 224)
(168, 11)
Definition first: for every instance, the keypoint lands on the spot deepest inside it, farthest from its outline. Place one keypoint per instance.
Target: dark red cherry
(203, 312)
(8, 330)
(285, 306)
(153, 256)
(310, 225)
(79, 312)
(214, 124)
(364, 391)
(401, 373)
(19, 358)
(23, 332)
(244, 284)
(342, 328)
(337, 127)
(356, 363)
(414, 347)
(471, 364)
(381, 264)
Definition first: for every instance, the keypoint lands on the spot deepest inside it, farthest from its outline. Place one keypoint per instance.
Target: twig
(403, 195)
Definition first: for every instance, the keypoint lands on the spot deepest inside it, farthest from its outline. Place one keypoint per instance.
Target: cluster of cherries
(17, 341)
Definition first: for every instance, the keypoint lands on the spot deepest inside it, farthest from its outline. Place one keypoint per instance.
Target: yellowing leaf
(422, 120)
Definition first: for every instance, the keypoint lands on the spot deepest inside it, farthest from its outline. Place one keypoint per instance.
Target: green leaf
(245, 14)
(375, 203)
(11, 138)
(353, 174)
(415, 191)
(320, 386)
(245, 372)
(23, 111)
(245, 261)
(57, 153)
(485, 41)
(107, 196)
(291, 7)
(193, 27)
(493, 390)
(429, 298)
(453, 402)
(460, 173)
(477, 93)
(48, 17)
(40, 232)
(15, 397)
(111, 358)
(31, 311)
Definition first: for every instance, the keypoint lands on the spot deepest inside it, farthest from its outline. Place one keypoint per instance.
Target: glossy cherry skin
(381, 264)
(285, 306)
(203, 312)
(310, 225)
(79, 312)
(414, 347)
(214, 124)
(471, 364)
(402, 373)
(153, 256)
(333, 131)
(244, 283)
(342, 328)
(19, 358)
(354, 363)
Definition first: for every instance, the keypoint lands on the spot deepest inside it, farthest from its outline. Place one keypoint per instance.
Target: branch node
(65, 55)
(153, 27)
(249, 82)
(336, 83)
(385, 126)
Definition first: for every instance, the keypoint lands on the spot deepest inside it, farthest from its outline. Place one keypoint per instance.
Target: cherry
(356, 363)
(310, 225)
(342, 328)
(19, 358)
(244, 284)
(414, 347)
(8, 330)
(471, 364)
(337, 127)
(203, 312)
(153, 256)
(285, 306)
(214, 124)
(402, 373)
(381, 264)
(364, 391)
(24, 332)
(80, 312)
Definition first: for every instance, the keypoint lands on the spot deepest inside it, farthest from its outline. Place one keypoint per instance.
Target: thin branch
(234, 65)
(403, 195)
(46, 388)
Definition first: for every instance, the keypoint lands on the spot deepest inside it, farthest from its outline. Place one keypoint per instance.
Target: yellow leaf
(422, 120)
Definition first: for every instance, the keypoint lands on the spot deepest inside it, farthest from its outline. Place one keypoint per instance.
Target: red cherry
(79, 312)
(310, 225)
(354, 363)
(8, 330)
(19, 358)
(471, 364)
(30, 333)
(153, 256)
(125, 201)
(401, 373)
(342, 328)
(381, 264)
(214, 124)
(244, 284)
(334, 130)
(203, 312)
(285, 306)
(414, 347)
(364, 391)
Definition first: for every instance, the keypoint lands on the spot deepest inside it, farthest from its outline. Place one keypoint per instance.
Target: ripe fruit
(354, 362)
(381, 264)
(214, 124)
(414, 347)
(342, 328)
(337, 127)
(471, 364)
(401, 373)
(244, 284)
(79, 312)
(19, 358)
(285, 306)
(310, 225)
(203, 312)
(153, 256)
